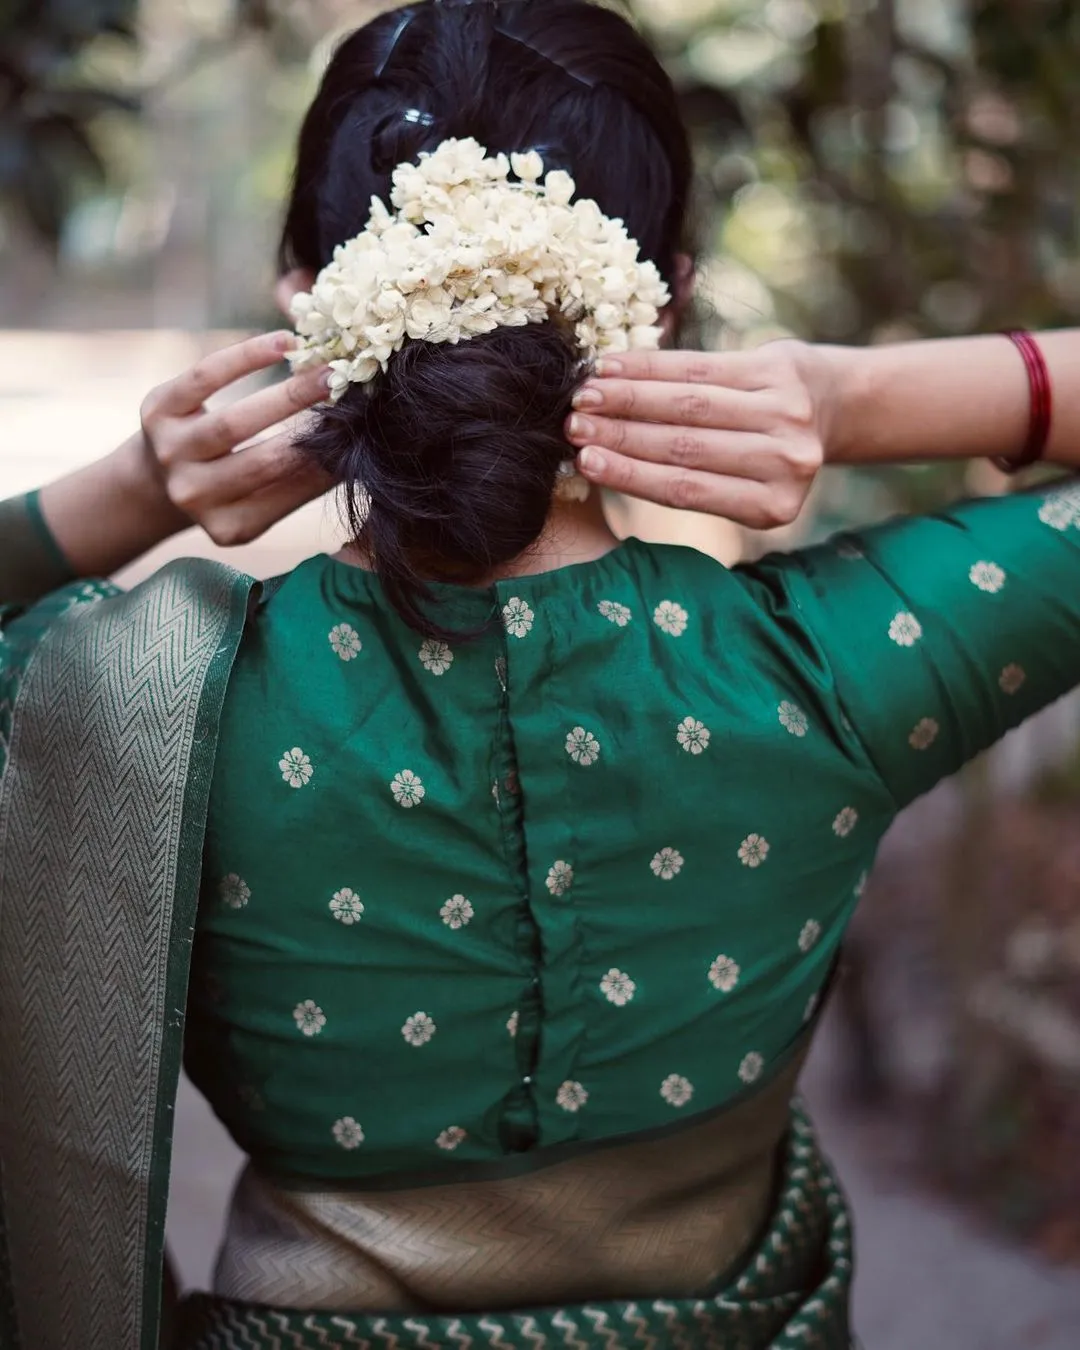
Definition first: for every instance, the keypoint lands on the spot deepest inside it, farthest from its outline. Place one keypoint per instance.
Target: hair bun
(458, 449)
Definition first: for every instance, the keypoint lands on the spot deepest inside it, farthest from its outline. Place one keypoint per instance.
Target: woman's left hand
(735, 434)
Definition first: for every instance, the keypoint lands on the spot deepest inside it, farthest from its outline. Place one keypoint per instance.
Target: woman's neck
(576, 532)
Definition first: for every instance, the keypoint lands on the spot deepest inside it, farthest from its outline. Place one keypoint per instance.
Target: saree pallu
(794, 1291)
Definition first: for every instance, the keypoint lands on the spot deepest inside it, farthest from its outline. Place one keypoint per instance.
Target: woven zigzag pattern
(90, 810)
(793, 1295)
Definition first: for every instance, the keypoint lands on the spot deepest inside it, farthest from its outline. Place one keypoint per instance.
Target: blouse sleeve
(944, 632)
(31, 563)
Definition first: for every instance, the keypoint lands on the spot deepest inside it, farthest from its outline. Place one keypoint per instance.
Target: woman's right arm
(743, 434)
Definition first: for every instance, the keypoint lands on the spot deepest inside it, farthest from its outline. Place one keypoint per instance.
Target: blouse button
(527, 1080)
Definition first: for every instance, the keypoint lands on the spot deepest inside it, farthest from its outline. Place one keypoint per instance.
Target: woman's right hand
(735, 434)
(209, 464)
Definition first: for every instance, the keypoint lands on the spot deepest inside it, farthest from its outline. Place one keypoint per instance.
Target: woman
(524, 855)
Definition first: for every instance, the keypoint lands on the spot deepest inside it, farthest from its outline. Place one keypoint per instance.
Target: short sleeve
(944, 632)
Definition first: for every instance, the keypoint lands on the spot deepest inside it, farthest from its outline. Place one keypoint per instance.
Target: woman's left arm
(182, 468)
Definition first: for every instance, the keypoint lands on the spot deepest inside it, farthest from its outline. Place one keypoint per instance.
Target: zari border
(102, 812)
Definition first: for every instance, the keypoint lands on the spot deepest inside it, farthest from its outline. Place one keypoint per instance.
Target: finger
(736, 370)
(742, 454)
(690, 405)
(741, 500)
(216, 484)
(248, 519)
(220, 432)
(188, 392)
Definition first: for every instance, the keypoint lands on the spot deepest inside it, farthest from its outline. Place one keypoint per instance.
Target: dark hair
(449, 460)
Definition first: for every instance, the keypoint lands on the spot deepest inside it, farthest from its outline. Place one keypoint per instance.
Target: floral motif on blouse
(793, 719)
(845, 822)
(408, 789)
(924, 734)
(436, 656)
(811, 931)
(849, 551)
(988, 577)
(676, 1090)
(571, 1096)
(346, 907)
(667, 863)
(860, 885)
(560, 878)
(234, 891)
(1061, 508)
(512, 1022)
(905, 630)
(671, 618)
(457, 912)
(618, 614)
(617, 987)
(751, 1067)
(309, 1017)
(693, 736)
(811, 1006)
(296, 768)
(724, 974)
(451, 1138)
(345, 641)
(348, 1133)
(753, 850)
(1011, 679)
(418, 1029)
(518, 617)
(582, 746)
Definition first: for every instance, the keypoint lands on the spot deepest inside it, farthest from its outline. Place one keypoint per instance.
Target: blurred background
(870, 170)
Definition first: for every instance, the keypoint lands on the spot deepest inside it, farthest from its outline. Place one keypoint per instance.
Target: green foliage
(47, 152)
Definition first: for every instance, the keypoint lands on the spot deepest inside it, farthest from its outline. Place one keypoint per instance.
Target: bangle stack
(1042, 403)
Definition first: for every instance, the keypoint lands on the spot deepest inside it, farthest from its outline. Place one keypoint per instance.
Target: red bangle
(1042, 403)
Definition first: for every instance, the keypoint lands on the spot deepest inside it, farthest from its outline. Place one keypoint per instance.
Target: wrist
(839, 381)
(136, 480)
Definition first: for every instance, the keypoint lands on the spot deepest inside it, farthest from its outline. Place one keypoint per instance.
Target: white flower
(512, 1022)
(676, 1090)
(693, 736)
(528, 167)
(751, 1067)
(724, 974)
(905, 630)
(436, 656)
(571, 1096)
(560, 878)
(618, 614)
(457, 912)
(582, 746)
(924, 734)
(309, 1017)
(345, 641)
(811, 931)
(753, 850)
(418, 1029)
(793, 719)
(346, 907)
(1061, 508)
(347, 1133)
(667, 863)
(518, 617)
(617, 987)
(296, 768)
(987, 576)
(671, 618)
(845, 822)
(234, 891)
(1011, 679)
(408, 789)
(449, 1139)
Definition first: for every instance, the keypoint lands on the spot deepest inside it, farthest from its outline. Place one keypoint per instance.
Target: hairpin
(399, 33)
(418, 118)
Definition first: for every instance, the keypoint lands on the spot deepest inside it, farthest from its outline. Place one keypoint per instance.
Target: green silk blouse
(583, 876)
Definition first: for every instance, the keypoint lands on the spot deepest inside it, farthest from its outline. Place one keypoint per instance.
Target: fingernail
(325, 378)
(592, 462)
(607, 365)
(589, 397)
(581, 428)
(285, 342)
